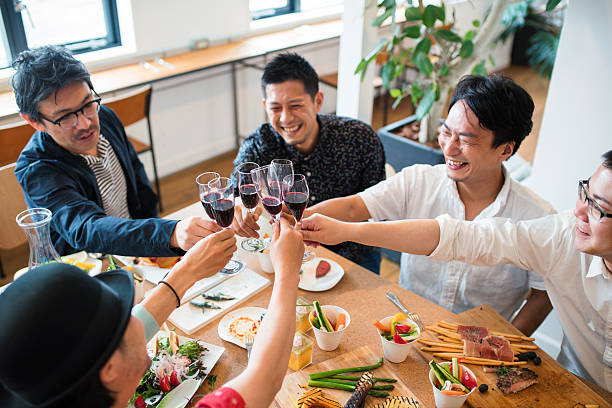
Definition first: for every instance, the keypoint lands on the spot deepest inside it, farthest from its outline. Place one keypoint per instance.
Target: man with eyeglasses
(571, 251)
(81, 166)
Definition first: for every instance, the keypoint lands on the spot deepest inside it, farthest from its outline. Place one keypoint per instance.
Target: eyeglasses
(594, 209)
(70, 120)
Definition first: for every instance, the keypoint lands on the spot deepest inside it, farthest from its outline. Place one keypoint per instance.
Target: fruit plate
(309, 281)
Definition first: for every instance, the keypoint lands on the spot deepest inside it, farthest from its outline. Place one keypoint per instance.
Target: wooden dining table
(362, 294)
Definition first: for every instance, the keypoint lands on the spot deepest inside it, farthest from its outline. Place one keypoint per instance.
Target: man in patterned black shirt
(338, 156)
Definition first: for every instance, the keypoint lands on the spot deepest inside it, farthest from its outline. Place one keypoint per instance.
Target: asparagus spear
(353, 378)
(327, 384)
(324, 374)
(387, 387)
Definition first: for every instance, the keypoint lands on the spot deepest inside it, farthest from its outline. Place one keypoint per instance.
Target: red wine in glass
(249, 196)
(296, 202)
(273, 205)
(207, 200)
(223, 212)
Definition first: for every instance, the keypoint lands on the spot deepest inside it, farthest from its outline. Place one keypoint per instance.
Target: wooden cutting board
(556, 386)
(363, 356)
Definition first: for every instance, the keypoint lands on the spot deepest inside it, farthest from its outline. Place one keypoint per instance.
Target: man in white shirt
(488, 119)
(573, 254)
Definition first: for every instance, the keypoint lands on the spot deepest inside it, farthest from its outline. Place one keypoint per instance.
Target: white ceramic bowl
(394, 352)
(448, 401)
(328, 341)
(265, 261)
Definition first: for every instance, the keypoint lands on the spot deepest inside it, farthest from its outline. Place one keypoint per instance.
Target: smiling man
(338, 156)
(488, 119)
(572, 252)
(81, 166)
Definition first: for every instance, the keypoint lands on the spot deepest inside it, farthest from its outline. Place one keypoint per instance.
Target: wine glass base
(308, 256)
(252, 244)
(232, 267)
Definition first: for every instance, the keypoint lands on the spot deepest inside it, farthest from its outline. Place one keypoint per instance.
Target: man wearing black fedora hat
(70, 340)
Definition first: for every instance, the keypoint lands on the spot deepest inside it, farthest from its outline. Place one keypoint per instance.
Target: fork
(248, 343)
(412, 316)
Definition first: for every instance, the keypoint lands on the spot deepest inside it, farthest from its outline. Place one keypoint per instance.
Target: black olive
(531, 355)
(523, 356)
(483, 388)
(537, 360)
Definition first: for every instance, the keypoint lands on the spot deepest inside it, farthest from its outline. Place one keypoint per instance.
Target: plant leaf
(467, 47)
(444, 71)
(491, 60)
(361, 67)
(551, 4)
(424, 64)
(425, 104)
(416, 91)
(430, 15)
(387, 73)
(423, 46)
(413, 14)
(412, 31)
(470, 35)
(397, 102)
(476, 23)
(448, 35)
(381, 44)
(395, 93)
(379, 20)
(480, 68)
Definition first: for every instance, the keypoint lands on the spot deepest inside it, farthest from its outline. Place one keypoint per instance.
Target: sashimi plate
(309, 281)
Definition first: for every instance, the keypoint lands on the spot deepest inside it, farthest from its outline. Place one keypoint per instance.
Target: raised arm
(263, 377)
(350, 208)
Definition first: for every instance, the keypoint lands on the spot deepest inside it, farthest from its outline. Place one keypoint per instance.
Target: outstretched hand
(245, 223)
(319, 229)
(287, 249)
(189, 231)
(210, 254)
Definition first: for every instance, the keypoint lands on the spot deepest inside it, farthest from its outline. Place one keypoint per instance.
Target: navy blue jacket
(53, 178)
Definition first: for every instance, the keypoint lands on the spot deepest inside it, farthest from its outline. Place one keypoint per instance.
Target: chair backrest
(13, 138)
(12, 203)
(131, 107)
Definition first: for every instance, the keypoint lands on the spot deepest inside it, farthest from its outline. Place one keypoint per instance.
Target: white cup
(328, 341)
(394, 352)
(265, 261)
(448, 401)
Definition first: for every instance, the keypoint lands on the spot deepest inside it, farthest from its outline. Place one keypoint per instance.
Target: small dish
(253, 313)
(309, 281)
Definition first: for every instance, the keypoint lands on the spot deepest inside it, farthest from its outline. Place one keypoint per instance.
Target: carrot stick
(450, 392)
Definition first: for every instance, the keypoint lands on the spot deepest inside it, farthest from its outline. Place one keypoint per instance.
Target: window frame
(17, 39)
(293, 6)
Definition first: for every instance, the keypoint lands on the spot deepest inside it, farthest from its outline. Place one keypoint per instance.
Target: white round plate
(223, 328)
(309, 281)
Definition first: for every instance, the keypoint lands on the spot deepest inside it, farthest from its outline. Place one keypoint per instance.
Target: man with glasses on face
(80, 165)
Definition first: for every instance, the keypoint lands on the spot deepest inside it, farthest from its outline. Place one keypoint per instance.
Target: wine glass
(296, 199)
(206, 194)
(250, 199)
(223, 207)
(269, 190)
(283, 168)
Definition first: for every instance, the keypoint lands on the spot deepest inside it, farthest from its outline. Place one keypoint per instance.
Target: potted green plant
(428, 42)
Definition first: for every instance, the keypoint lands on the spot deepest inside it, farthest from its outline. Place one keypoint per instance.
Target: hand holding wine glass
(269, 190)
(296, 199)
(223, 205)
(206, 193)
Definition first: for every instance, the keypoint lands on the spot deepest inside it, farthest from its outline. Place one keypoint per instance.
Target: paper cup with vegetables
(396, 334)
(452, 382)
(329, 324)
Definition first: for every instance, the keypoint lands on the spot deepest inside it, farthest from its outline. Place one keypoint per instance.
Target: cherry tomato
(174, 379)
(165, 384)
(140, 402)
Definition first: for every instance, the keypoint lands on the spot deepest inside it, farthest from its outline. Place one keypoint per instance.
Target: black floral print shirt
(348, 158)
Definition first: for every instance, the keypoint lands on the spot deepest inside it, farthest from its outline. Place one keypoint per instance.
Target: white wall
(575, 128)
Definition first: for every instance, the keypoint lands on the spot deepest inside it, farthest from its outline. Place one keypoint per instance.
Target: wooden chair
(11, 235)
(131, 108)
(13, 138)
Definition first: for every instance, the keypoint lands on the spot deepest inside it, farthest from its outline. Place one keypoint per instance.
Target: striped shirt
(110, 178)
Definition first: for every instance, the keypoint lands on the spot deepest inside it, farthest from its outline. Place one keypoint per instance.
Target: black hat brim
(122, 283)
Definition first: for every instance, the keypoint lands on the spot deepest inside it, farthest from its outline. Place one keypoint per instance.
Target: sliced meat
(490, 369)
(496, 348)
(322, 268)
(516, 380)
(471, 348)
(472, 333)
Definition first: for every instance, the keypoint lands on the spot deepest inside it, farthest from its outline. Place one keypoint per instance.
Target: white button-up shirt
(423, 191)
(579, 285)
